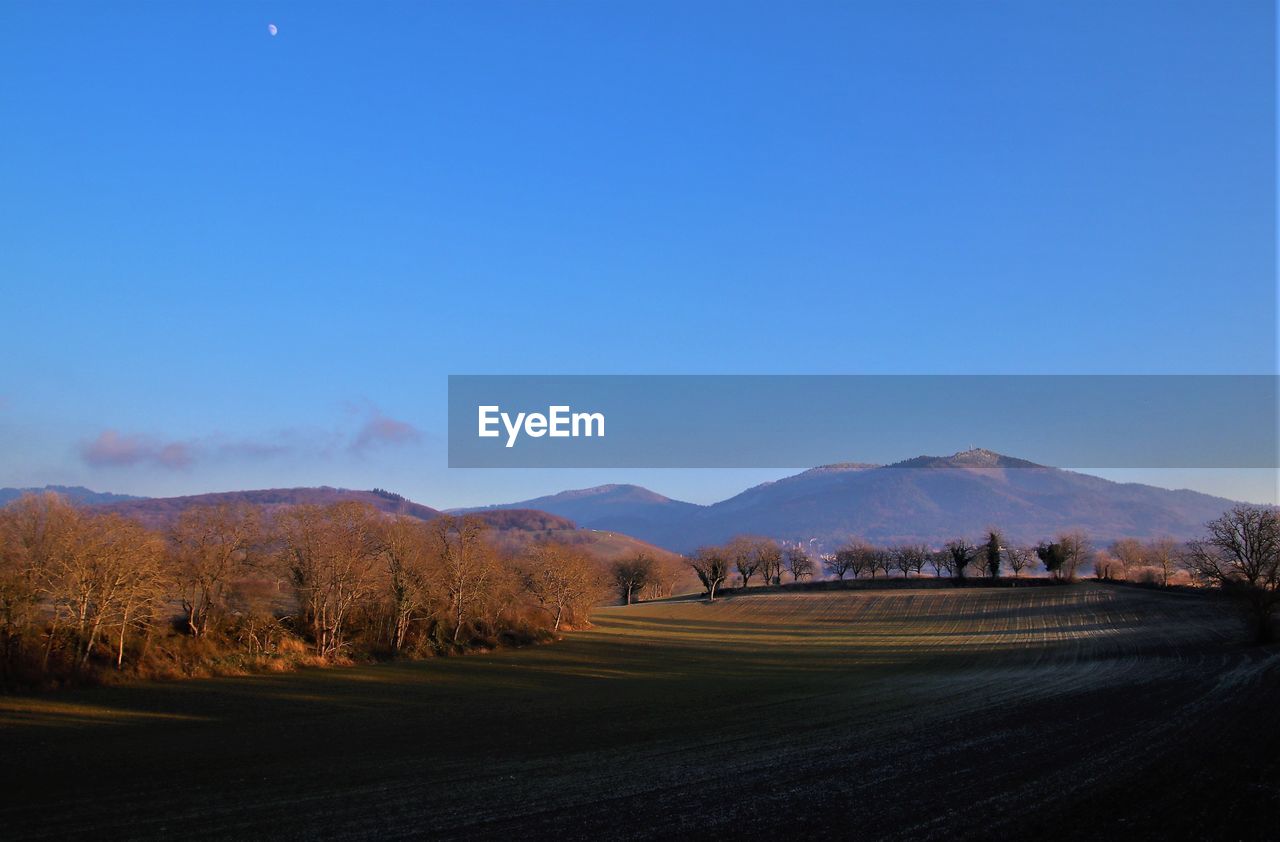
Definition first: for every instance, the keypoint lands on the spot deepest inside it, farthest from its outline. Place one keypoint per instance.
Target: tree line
(744, 559)
(1239, 555)
(237, 587)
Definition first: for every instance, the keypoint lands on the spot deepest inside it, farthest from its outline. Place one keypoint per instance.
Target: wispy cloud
(380, 430)
(113, 449)
(373, 430)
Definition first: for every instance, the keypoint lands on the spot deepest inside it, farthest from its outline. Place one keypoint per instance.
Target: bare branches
(564, 581)
(331, 553)
(1019, 559)
(1241, 555)
(79, 589)
(209, 546)
(464, 563)
(631, 575)
(961, 553)
(799, 563)
(712, 566)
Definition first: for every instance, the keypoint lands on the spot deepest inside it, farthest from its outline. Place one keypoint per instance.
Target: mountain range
(928, 499)
(510, 527)
(74, 493)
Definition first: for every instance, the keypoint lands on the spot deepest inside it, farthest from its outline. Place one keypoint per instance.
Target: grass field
(1047, 712)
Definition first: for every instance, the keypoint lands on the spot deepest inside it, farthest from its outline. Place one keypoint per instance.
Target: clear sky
(232, 260)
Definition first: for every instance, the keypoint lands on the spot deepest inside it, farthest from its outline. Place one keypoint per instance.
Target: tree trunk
(124, 625)
(88, 644)
(191, 619)
(48, 649)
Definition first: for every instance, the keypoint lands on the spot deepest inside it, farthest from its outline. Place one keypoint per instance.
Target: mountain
(928, 499)
(511, 528)
(74, 493)
(163, 511)
(618, 508)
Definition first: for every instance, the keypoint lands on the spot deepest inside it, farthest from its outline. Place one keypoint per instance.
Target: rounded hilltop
(974, 457)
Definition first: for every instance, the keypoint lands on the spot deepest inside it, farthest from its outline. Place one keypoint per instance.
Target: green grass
(913, 714)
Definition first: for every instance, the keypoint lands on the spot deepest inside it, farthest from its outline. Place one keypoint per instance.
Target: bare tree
(883, 561)
(209, 546)
(746, 557)
(1164, 554)
(631, 575)
(1076, 552)
(404, 549)
(841, 563)
(770, 556)
(910, 558)
(901, 560)
(1129, 555)
(864, 558)
(465, 563)
(1241, 555)
(141, 591)
(1106, 567)
(940, 560)
(1019, 559)
(564, 581)
(97, 572)
(330, 553)
(34, 530)
(799, 563)
(664, 577)
(919, 557)
(962, 553)
(712, 566)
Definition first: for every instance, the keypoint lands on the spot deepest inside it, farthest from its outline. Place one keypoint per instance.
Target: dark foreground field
(1062, 713)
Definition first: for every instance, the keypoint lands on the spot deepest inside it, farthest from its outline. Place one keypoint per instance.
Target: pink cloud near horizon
(380, 430)
(112, 449)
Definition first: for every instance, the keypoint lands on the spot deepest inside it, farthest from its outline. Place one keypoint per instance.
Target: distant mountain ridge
(163, 511)
(630, 509)
(74, 493)
(928, 499)
(513, 528)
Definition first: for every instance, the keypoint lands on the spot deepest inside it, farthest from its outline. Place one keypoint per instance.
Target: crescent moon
(273, 29)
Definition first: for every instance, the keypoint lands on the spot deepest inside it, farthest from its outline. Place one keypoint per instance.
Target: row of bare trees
(644, 576)
(958, 558)
(1239, 555)
(79, 588)
(71, 585)
(771, 563)
(750, 557)
(1158, 561)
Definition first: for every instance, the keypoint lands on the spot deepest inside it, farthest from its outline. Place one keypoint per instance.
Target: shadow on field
(1047, 718)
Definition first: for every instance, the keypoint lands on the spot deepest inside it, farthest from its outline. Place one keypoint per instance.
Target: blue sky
(234, 260)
